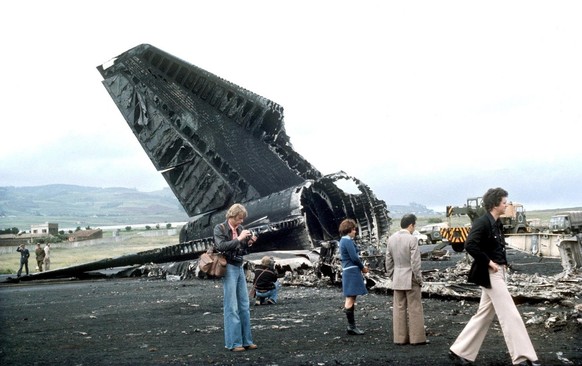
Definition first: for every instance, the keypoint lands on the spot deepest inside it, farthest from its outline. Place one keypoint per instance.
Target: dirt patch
(140, 321)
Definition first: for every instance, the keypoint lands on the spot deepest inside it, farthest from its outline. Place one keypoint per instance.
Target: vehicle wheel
(458, 247)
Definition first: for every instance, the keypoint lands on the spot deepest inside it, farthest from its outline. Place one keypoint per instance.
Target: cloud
(426, 102)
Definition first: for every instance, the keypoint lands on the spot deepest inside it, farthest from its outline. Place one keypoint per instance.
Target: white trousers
(496, 300)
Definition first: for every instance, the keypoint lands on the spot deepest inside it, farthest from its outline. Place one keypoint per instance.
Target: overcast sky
(429, 102)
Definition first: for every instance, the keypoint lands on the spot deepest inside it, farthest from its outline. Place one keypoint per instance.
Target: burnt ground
(140, 321)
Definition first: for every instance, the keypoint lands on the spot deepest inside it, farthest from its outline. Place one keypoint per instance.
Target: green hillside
(71, 205)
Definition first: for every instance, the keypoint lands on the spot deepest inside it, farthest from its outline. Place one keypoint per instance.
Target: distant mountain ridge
(73, 205)
(397, 211)
(92, 206)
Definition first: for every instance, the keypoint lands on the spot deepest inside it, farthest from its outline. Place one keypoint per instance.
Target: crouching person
(266, 284)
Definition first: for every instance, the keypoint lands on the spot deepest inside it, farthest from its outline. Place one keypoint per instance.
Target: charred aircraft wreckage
(216, 144)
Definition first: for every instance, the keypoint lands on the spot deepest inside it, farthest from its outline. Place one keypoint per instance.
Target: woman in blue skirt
(352, 279)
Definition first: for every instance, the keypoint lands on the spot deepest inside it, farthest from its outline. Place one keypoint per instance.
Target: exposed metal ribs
(217, 144)
(205, 133)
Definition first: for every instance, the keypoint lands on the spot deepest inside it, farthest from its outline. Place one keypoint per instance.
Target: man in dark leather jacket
(486, 244)
(233, 240)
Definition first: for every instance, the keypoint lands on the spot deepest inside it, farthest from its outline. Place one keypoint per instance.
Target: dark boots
(352, 329)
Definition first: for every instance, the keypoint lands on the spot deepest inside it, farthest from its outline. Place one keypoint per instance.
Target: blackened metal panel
(313, 210)
(283, 228)
(326, 205)
(215, 142)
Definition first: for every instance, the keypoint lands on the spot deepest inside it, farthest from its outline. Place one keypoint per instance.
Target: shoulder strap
(213, 248)
(259, 276)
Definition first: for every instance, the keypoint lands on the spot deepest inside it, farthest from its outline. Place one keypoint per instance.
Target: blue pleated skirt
(353, 282)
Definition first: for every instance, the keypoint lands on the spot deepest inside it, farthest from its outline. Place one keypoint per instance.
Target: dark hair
(347, 226)
(407, 220)
(493, 197)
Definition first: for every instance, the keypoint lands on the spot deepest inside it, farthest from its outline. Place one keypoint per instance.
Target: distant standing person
(352, 279)
(234, 241)
(486, 244)
(39, 257)
(47, 256)
(24, 254)
(403, 268)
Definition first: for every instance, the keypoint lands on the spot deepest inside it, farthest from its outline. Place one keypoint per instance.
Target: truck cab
(514, 220)
(559, 223)
(433, 232)
(566, 222)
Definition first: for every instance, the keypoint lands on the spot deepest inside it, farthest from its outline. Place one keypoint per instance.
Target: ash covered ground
(145, 321)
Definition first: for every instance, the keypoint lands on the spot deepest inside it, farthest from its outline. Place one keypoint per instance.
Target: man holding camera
(234, 241)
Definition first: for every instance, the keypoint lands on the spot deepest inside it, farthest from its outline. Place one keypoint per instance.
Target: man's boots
(352, 329)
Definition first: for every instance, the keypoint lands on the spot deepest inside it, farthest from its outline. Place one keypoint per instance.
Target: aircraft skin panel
(186, 117)
(217, 144)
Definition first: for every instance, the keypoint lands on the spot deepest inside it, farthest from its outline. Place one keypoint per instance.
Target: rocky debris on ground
(559, 295)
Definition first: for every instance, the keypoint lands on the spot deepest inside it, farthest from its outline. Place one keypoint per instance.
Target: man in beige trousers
(486, 244)
(403, 268)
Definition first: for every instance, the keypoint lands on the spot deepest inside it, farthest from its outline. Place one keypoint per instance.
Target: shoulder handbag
(212, 263)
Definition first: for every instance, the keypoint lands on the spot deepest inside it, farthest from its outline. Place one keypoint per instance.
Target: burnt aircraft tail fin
(214, 142)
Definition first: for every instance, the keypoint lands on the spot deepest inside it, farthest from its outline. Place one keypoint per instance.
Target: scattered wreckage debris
(301, 269)
(216, 144)
(436, 255)
(532, 288)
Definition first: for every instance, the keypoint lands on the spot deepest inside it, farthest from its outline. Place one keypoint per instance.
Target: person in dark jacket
(266, 284)
(24, 254)
(352, 280)
(234, 241)
(486, 244)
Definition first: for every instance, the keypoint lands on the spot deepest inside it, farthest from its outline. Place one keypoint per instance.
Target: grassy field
(64, 255)
(136, 241)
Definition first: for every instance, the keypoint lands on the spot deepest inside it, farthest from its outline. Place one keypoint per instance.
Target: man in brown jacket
(39, 257)
(403, 268)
